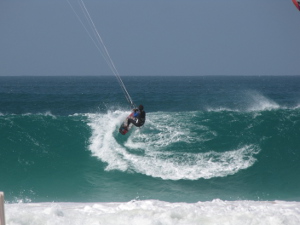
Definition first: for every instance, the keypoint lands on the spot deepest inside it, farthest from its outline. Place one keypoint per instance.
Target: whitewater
(153, 212)
(163, 132)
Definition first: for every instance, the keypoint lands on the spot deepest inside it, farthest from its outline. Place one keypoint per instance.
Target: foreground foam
(155, 162)
(153, 212)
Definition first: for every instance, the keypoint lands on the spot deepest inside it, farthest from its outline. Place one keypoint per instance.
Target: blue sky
(157, 37)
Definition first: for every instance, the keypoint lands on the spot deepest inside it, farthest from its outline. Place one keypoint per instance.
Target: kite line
(98, 42)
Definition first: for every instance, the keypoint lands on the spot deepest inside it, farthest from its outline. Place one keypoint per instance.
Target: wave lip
(259, 102)
(249, 101)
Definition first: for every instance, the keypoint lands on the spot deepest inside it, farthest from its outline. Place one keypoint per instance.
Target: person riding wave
(139, 117)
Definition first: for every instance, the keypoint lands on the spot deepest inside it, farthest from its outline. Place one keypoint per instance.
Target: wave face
(205, 138)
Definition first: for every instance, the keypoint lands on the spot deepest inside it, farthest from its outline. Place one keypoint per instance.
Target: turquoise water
(231, 138)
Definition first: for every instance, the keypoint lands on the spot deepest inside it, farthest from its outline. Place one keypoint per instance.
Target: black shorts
(135, 123)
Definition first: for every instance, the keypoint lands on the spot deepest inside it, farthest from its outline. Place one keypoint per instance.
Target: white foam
(153, 212)
(220, 109)
(47, 113)
(158, 159)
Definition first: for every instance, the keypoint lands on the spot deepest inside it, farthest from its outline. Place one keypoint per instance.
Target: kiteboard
(123, 128)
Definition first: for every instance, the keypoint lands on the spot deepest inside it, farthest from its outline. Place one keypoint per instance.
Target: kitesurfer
(139, 117)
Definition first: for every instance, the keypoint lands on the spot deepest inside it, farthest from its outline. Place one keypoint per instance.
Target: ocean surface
(213, 150)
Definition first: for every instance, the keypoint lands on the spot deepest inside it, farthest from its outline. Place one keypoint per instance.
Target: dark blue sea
(213, 150)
